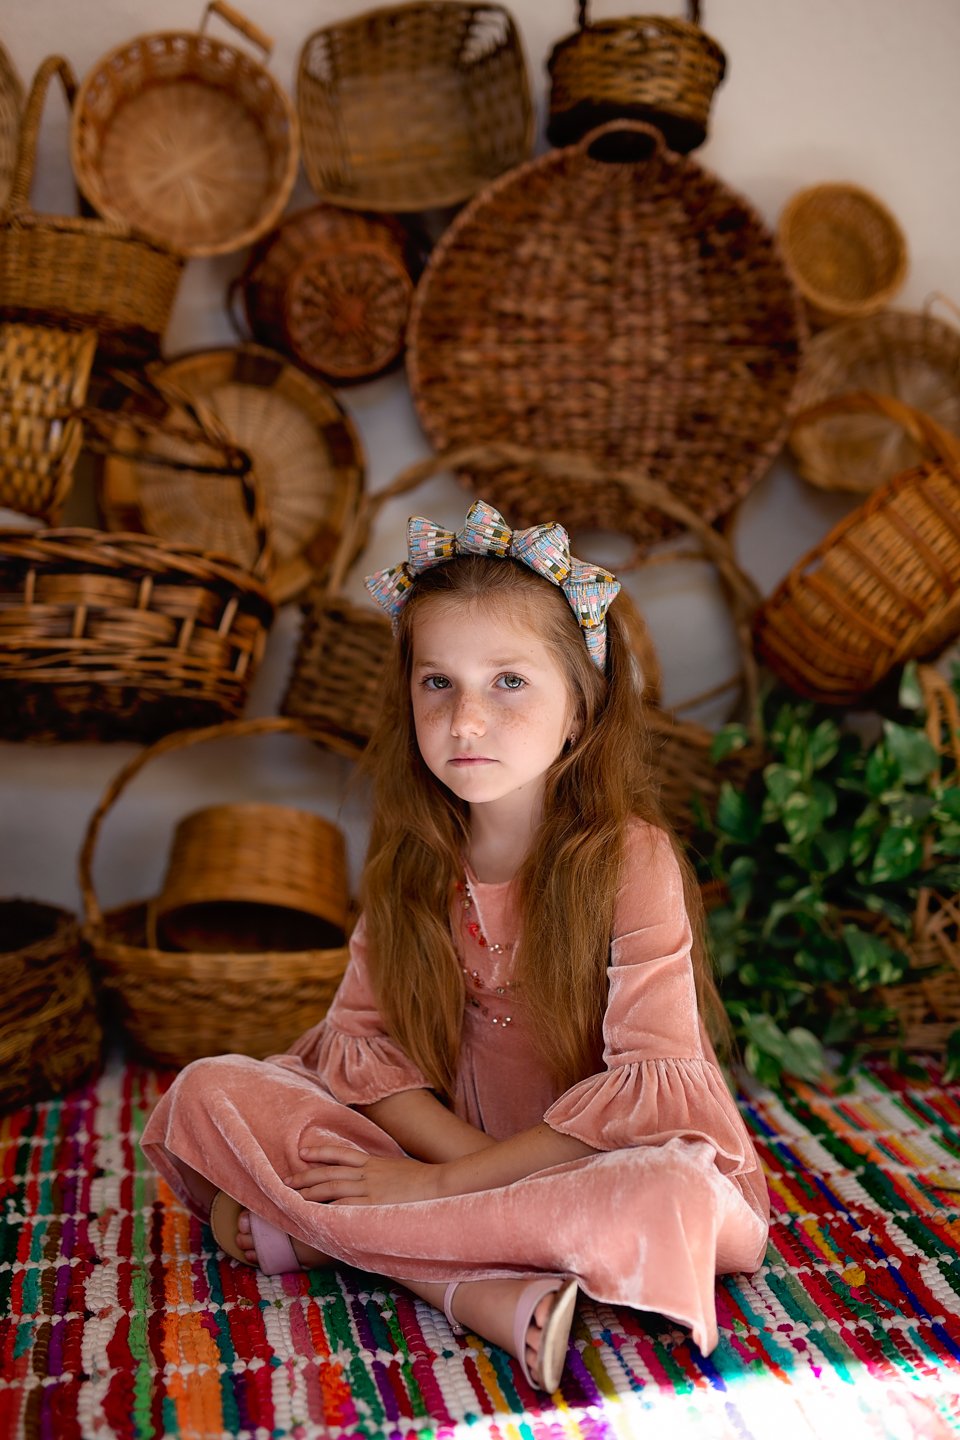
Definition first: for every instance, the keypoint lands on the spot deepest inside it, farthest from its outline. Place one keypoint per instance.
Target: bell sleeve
(350, 1049)
(661, 1080)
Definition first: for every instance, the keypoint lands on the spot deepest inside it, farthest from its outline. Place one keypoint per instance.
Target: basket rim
(668, 25)
(826, 300)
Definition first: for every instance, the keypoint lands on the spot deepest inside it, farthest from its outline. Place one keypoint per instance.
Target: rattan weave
(844, 249)
(642, 67)
(186, 138)
(77, 272)
(414, 106)
(631, 310)
(11, 110)
(883, 586)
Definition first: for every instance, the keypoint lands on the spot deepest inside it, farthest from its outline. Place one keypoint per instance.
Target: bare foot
(309, 1258)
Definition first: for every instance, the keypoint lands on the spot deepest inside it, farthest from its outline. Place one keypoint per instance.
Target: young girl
(513, 1094)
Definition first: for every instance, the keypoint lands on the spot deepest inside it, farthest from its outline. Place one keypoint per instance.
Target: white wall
(864, 90)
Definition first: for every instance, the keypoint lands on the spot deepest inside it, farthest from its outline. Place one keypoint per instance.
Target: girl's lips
(471, 760)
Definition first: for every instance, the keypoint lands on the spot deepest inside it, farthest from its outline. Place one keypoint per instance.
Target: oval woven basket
(633, 311)
(883, 586)
(76, 272)
(414, 106)
(50, 1034)
(11, 110)
(176, 1006)
(44, 374)
(332, 288)
(912, 357)
(187, 139)
(111, 637)
(640, 67)
(844, 249)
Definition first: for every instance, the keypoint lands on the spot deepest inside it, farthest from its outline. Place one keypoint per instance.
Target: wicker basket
(50, 1033)
(634, 311)
(413, 107)
(642, 67)
(913, 357)
(121, 636)
(43, 382)
(11, 109)
(306, 456)
(845, 251)
(76, 272)
(186, 138)
(175, 1006)
(883, 586)
(331, 288)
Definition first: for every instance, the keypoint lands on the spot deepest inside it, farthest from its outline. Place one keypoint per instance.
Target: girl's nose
(467, 717)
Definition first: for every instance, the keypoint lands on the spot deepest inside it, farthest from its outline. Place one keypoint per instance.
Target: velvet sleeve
(350, 1049)
(660, 1079)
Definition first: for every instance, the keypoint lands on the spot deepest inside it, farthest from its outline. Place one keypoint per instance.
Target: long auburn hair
(420, 832)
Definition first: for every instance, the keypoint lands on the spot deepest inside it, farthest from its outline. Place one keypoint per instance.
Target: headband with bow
(544, 548)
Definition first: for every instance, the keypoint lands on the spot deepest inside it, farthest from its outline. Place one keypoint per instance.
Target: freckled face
(491, 705)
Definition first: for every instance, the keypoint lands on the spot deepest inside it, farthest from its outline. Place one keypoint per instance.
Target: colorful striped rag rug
(120, 1319)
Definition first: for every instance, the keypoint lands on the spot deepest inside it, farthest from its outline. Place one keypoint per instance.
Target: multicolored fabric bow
(544, 548)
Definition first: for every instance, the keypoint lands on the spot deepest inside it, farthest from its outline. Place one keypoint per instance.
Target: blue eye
(513, 682)
(435, 682)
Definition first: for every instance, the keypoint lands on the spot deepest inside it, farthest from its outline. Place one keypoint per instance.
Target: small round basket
(845, 251)
(187, 139)
(11, 109)
(50, 1034)
(175, 1006)
(913, 357)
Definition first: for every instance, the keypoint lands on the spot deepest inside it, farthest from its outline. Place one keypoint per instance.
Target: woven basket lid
(613, 300)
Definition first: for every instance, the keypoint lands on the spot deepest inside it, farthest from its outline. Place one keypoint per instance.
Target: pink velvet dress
(674, 1197)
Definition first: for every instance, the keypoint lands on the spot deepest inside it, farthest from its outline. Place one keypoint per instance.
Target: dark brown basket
(50, 1033)
(413, 107)
(632, 311)
(642, 67)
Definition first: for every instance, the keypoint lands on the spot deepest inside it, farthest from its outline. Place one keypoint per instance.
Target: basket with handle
(174, 1005)
(844, 249)
(413, 106)
(640, 67)
(187, 138)
(335, 684)
(883, 586)
(11, 109)
(76, 272)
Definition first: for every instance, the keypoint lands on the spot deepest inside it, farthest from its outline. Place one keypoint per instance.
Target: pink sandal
(556, 1331)
(275, 1252)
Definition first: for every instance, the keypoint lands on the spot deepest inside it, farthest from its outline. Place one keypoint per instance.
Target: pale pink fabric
(675, 1197)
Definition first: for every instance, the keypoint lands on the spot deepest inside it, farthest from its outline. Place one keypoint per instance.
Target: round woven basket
(106, 637)
(44, 374)
(176, 1006)
(414, 106)
(50, 1033)
(844, 249)
(641, 67)
(912, 357)
(11, 109)
(187, 139)
(884, 585)
(617, 302)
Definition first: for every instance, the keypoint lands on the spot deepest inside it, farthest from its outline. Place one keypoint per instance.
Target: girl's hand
(342, 1175)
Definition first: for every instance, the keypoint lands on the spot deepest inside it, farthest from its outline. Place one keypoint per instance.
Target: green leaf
(881, 772)
(833, 847)
(782, 783)
(915, 756)
(803, 816)
(910, 695)
(899, 854)
(728, 741)
(736, 816)
(875, 961)
(824, 743)
(743, 871)
(947, 804)
(803, 1054)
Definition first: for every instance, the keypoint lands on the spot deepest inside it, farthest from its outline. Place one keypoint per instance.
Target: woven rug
(119, 1319)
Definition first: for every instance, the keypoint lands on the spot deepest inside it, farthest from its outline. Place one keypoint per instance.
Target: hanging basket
(617, 302)
(845, 251)
(75, 272)
(186, 138)
(642, 67)
(884, 585)
(11, 109)
(175, 1006)
(413, 107)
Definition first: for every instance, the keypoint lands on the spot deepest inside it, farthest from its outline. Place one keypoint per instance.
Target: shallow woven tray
(635, 312)
(844, 249)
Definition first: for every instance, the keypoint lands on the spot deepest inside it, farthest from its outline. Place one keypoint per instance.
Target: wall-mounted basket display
(844, 249)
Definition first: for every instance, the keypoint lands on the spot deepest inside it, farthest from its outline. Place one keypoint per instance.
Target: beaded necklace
(475, 931)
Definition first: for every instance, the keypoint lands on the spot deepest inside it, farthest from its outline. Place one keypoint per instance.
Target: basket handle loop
(654, 150)
(19, 200)
(928, 434)
(178, 740)
(247, 29)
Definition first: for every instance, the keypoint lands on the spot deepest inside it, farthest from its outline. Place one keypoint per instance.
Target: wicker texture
(122, 637)
(43, 382)
(11, 110)
(636, 313)
(189, 140)
(910, 356)
(845, 251)
(883, 586)
(50, 1034)
(175, 1006)
(415, 106)
(642, 67)
(331, 288)
(76, 272)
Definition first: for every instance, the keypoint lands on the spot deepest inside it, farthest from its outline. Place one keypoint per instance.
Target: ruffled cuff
(358, 1069)
(648, 1102)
